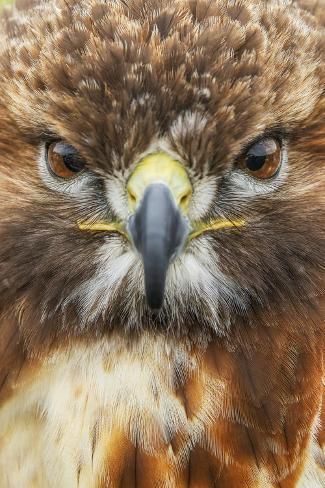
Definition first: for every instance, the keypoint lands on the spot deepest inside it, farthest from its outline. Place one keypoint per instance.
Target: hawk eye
(262, 159)
(64, 160)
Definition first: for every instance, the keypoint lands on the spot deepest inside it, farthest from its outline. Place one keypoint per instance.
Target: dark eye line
(280, 134)
(48, 138)
(49, 141)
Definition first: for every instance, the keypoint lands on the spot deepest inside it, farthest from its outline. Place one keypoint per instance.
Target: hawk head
(160, 164)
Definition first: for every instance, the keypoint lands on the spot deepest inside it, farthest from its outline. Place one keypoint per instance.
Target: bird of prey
(162, 225)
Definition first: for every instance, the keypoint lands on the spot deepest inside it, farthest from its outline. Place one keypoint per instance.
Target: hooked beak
(159, 195)
(159, 192)
(158, 231)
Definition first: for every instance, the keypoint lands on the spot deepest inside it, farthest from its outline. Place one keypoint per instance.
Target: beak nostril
(132, 197)
(185, 200)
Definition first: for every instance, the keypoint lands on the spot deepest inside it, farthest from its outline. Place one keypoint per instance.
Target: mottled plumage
(223, 386)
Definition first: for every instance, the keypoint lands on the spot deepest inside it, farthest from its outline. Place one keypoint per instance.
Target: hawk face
(158, 168)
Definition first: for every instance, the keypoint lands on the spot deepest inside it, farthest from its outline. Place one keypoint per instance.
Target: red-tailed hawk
(162, 244)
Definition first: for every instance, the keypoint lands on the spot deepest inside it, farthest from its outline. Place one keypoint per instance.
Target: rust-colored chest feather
(162, 414)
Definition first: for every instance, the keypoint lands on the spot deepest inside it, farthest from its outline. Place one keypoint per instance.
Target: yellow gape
(103, 227)
(199, 228)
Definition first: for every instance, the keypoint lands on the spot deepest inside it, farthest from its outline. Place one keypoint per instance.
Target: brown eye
(263, 159)
(64, 160)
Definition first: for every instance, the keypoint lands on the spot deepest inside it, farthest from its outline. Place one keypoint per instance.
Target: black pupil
(258, 154)
(254, 163)
(70, 157)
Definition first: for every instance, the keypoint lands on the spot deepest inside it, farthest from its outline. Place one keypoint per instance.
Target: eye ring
(263, 159)
(63, 160)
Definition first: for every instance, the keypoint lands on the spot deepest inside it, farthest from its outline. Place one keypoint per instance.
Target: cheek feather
(94, 295)
(204, 196)
(117, 196)
(195, 283)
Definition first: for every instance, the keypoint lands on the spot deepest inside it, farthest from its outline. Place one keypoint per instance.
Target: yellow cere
(155, 168)
(198, 227)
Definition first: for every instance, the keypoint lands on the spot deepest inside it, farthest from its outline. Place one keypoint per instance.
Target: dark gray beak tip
(155, 299)
(155, 306)
(158, 231)
(155, 277)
